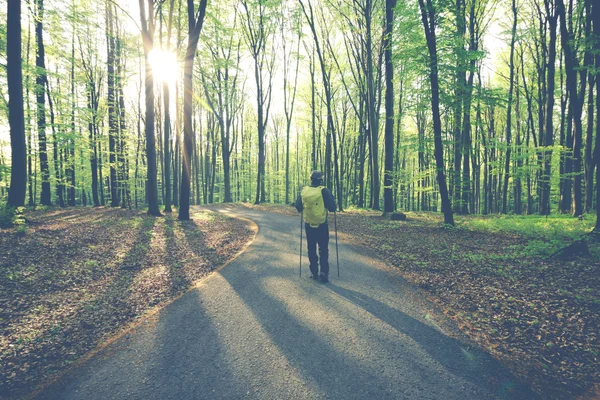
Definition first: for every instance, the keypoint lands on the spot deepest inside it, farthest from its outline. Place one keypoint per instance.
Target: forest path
(255, 330)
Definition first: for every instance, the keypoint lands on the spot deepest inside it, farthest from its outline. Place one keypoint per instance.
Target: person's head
(316, 178)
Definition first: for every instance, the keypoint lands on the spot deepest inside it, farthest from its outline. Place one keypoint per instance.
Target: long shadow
(300, 344)
(97, 316)
(179, 280)
(190, 361)
(469, 364)
(472, 364)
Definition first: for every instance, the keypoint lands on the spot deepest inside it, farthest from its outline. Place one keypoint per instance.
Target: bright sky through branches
(164, 66)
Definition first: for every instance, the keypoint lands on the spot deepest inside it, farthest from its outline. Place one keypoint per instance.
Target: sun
(165, 67)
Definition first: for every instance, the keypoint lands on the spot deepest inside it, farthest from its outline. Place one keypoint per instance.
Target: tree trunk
(71, 142)
(40, 92)
(152, 172)
(388, 200)
(596, 20)
(548, 131)
(18, 178)
(428, 16)
(195, 27)
(113, 127)
(571, 66)
(509, 109)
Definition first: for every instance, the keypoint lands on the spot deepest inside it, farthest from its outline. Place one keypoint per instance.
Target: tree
(428, 16)
(259, 25)
(596, 20)
(40, 94)
(195, 22)
(576, 104)
(509, 106)
(113, 118)
(389, 108)
(18, 179)
(167, 120)
(148, 26)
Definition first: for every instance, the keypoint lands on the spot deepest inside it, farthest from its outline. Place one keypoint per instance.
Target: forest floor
(70, 279)
(498, 279)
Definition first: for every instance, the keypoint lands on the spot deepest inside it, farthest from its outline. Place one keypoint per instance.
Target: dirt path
(255, 329)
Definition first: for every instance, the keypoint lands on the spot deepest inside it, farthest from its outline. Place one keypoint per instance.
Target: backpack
(314, 208)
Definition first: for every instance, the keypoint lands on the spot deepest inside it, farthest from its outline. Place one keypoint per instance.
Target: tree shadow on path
(470, 363)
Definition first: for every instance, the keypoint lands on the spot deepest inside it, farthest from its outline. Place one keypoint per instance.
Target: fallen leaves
(78, 275)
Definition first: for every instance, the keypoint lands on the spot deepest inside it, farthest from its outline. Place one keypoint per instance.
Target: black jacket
(328, 200)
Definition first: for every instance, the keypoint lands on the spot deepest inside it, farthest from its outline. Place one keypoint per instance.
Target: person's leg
(323, 240)
(311, 243)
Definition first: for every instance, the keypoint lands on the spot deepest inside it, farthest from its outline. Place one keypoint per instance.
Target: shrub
(7, 216)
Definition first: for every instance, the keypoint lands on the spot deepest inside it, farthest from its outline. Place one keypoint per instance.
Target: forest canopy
(468, 107)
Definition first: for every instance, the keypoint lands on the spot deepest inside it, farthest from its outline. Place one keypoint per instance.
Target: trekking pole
(337, 254)
(301, 217)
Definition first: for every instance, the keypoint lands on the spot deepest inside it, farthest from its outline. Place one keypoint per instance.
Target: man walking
(314, 201)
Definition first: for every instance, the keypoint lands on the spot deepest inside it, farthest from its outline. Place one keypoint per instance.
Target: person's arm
(328, 200)
(298, 204)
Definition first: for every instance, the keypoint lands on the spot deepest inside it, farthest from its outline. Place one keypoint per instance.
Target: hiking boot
(315, 277)
(324, 278)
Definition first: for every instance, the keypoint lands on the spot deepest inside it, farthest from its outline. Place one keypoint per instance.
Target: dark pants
(320, 236)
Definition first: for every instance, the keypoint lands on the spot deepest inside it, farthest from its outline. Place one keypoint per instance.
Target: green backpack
(314, 208)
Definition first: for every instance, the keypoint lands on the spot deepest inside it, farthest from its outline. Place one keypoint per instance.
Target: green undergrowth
(542, 236)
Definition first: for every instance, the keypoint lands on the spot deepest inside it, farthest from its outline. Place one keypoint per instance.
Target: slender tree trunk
(589, 160)
(428, 16)
(548, 132)
(509, 109)
(40, 91)
(195, 27)
(71, 143)
(458, 104)
(596, 21)
(113, 127)
(57, 167)
(152, 171)
(167, 146)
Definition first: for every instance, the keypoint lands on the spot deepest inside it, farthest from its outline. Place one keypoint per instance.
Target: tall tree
(428, 15)
(509, 106)
(167, 119)
(195, 22)
(113, 118)
(40, 94)
(596, 22)
(388, 200)
(576, 103)
(14, 72)
(547, 127)
(258, 27)
(148, 25)
(289, 99)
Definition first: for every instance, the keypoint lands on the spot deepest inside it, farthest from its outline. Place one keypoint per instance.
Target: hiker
(314, 201)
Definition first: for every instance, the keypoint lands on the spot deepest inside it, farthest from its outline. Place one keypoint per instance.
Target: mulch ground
(539, 316)
(78, 276)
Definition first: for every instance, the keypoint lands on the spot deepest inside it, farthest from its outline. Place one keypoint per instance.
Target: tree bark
(152, 172)
(509, 109)
(388, 199)
(195, 27)
(16, 117)
(571, 66)
(428, 17)
(40, 93)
